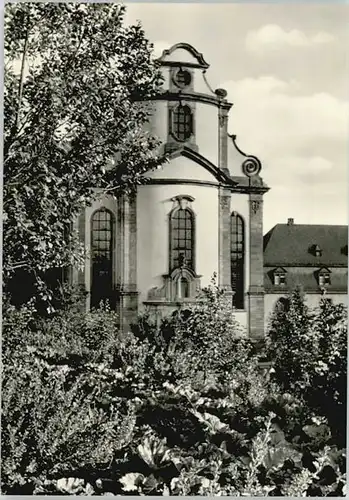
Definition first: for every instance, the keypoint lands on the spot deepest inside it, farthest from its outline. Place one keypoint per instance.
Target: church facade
(200, 214)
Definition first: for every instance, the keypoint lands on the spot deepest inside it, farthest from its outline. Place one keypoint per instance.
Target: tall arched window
(101, 256)
(182, 239)
(182, 125)
(237, 254)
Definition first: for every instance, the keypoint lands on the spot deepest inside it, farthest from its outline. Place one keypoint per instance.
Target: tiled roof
(294, 244)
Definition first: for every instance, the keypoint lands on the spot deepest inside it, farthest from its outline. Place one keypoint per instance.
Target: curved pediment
(203, 162)
(183, 53)
(197, 170)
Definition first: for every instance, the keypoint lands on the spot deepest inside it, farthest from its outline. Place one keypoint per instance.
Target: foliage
(202, 343)
(309, 354)
(73, 124)
(148, 423)
(329, 377)
(53, 416)
(290, 328)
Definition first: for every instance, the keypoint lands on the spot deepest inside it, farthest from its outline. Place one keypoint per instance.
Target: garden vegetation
(180, 408)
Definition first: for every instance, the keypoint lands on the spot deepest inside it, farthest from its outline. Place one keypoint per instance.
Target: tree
(328, 392)
(308, 349)
(75, 77)
(290, 341)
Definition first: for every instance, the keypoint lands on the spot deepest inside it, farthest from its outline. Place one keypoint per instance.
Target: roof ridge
(312, 225)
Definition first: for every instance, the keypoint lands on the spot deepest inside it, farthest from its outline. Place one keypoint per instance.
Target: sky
(286, 69)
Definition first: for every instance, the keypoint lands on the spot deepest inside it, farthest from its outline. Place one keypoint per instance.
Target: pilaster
(256, 288)
(224, 276)
(127, 294)
(223, 139)
(77, 276)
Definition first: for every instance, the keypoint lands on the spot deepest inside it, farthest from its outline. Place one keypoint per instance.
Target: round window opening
(182, 78)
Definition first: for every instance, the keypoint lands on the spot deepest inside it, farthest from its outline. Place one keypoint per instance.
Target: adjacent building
(314, 257)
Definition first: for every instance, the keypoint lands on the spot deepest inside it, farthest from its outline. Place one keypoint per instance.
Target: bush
(202, 343)
(53, 418)
(180, 408)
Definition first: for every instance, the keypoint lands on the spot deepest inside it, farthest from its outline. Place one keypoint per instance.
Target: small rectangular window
(279, 278)
(324, 279)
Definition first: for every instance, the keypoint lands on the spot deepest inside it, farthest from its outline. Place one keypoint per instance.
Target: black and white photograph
(175, 249)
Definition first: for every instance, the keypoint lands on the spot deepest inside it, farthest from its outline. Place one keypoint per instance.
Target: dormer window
(324, 278)
(318, 251)
(315, 250)
(280, 277)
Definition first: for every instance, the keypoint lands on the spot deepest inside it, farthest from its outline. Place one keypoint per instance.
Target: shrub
(69, 336)
(53, 419)
(179, 408)
(202, 343)
(51, 428)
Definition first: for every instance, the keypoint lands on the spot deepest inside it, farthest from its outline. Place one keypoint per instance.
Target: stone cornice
(332, 291)
(298, 265)
(174, 303)
(182, 181)
(231, 187)
(250, 184)
(181, 64)
(251, 189)
(192, 96)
